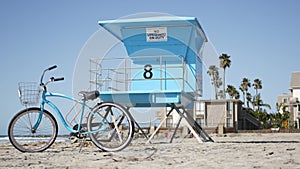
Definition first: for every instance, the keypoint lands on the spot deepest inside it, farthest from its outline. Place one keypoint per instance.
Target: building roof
(295, 80)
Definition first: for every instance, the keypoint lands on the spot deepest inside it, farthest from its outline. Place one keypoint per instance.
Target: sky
(262, 38)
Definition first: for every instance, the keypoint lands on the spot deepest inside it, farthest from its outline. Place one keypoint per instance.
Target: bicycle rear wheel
(25, 138)
(111, 126)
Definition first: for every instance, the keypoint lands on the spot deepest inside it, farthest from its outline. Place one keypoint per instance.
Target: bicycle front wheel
(31, 131)
(111, 126)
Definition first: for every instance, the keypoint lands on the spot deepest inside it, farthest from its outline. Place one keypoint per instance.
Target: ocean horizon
(59, 138)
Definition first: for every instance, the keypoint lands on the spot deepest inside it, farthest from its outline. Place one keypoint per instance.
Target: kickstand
(82, 141)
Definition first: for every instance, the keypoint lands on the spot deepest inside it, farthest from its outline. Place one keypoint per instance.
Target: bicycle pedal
(73, 139)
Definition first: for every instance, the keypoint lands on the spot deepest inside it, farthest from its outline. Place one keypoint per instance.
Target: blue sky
(262, 38)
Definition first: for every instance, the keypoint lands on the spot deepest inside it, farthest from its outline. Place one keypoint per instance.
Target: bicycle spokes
(117, 126)
(31, 132)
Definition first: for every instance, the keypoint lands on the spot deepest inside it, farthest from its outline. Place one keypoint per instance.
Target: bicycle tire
(101, 125)
(24, 138)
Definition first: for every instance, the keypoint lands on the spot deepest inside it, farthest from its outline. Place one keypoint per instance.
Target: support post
(193, 126)
(175, 130)
(160, 124)
(139, 127)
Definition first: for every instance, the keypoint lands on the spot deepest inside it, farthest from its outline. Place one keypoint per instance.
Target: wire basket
(29, 93)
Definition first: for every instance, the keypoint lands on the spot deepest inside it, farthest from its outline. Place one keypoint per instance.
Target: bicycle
(34, 129)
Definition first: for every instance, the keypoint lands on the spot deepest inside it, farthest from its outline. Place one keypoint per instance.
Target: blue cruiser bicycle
(108, 125)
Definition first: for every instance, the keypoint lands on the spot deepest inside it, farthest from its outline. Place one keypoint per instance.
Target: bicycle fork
(38, 121)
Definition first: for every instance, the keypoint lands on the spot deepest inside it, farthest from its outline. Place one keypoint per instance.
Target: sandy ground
(273, 150)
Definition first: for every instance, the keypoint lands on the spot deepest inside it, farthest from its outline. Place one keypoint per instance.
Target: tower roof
(163, 35)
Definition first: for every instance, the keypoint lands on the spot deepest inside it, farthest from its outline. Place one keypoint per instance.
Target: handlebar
(52, 79)
(57, 79)
(52, 67)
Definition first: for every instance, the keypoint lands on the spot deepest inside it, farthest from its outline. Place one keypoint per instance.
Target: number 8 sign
(148, 71)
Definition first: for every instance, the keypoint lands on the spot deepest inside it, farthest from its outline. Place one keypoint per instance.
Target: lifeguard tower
(163, 66)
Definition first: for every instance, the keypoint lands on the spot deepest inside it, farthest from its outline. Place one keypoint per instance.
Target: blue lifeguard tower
(163, 66)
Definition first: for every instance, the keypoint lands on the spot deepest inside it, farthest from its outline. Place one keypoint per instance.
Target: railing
(140, 73)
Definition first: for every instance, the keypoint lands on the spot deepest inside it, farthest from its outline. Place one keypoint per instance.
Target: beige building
(213, 114)
(292, 100)
(228, 114)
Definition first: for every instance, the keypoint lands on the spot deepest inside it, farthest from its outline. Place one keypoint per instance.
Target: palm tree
(213, 72)
(218, 85)
(285, 117)
(233, 93)
(257, 85)
(230, 90)
(282, 117)
(279, 119)
(264, 118)
(224, 63)
(220, 92)
(244, 87)
(248, 98)
(257, 102)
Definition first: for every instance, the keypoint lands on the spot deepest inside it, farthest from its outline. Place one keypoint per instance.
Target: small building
(213, 114)
(285, 100)
(292, 100)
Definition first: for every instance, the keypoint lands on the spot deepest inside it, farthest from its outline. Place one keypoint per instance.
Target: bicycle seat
(89, 95)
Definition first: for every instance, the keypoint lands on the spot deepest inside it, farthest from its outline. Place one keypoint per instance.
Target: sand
(272, 150)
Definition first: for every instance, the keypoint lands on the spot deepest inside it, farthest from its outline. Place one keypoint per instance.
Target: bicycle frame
(58, 112)
(44, 101)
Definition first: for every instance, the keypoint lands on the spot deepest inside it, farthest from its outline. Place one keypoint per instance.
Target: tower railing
(141, 73)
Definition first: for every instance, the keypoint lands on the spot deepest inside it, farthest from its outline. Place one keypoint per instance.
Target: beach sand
(255, 150)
